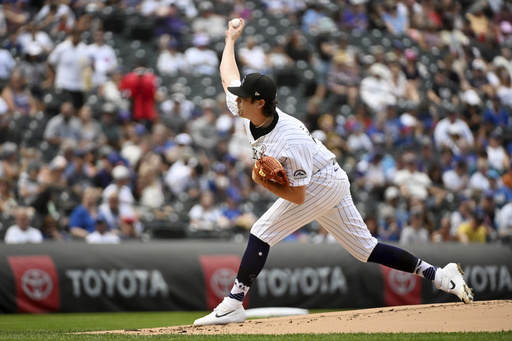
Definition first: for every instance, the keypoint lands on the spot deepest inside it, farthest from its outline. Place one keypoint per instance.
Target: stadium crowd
(113, 123)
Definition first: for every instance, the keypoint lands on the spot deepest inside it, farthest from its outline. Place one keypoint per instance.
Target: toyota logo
(222, 281)
(400, 282)
(36, 284)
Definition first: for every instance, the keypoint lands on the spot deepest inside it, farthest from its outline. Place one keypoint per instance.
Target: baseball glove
(269, 169)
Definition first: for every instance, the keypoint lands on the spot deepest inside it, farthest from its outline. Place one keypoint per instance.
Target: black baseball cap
(255, 85)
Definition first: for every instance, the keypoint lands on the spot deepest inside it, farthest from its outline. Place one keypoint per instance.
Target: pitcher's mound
(482, 316)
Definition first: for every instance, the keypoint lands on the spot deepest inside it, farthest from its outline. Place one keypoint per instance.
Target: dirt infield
(483, 316)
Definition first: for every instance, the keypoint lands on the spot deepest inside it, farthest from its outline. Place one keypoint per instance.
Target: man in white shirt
(253, 57)
(104, 58)
(457, 179)
(22, 232)
(451, 123)
(376, 91)
(69, 62)
(200, 59)
(121, 177)
(410, 180)
(32, 35)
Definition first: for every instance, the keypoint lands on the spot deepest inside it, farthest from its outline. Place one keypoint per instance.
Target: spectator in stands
(457, 141)
(496, 115)
(504, 222)
(202, 130)
(443, 89)
(375, 172)
(170, 61)
(8, 203)
(442, 234)
(253, 57)
(471, 110)
(104, 59)
(101, 233)
(140, 86)
(68, 64)
(477, 77)
(452, 122)
(354, 17)
(110, 91)
(415, 232)
(169, 21)
(16, 14)
(29, 35)
(410, 181)
(18, 96)
(121, 182)
(496, 152)
(22, 232)
(111, 212)
(206, 215)
(392, 214)
(91, 128)
(478, 21)
(503, 88)
(209, 22)
(109, 124)
(9, 160)
(316, 20)
(79, 173)
(182, 160)
(296, 47)
(201, 60)
(322, 57)
(358, 141)
(396, 22)
(82, 218)
(478, 181)
(7, 64)
(149, 188)
(63, 126)
(55, 16)
(473, 230)
(343, 81)
(34, 69)
(281, 66)
(402, 88)
(29, 187)
(376, 90)
(457, 179)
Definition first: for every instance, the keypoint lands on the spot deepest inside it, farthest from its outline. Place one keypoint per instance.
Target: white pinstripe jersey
(290, 142)
(328, 199)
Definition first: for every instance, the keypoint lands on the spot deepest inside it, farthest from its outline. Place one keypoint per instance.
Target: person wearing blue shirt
(82, 218)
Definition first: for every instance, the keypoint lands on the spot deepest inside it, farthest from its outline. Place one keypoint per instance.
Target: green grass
(63, 326)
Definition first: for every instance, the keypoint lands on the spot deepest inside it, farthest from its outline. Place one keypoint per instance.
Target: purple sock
(252, 263)
(393, 257)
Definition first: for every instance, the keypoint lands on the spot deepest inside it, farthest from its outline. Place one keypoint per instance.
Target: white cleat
(450, 279)
(228, 311)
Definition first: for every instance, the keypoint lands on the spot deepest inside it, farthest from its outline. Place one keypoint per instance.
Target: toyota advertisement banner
(195, 275)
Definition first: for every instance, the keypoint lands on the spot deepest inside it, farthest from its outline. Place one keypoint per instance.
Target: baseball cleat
(450, 279)
(228, 311)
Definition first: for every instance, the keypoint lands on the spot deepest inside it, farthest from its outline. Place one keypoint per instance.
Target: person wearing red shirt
(140, 86)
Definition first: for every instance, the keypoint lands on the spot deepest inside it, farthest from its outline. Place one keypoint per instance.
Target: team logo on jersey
(299, 174)
(257, 154)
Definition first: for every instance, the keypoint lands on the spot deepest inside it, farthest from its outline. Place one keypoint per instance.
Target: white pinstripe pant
(330, 203)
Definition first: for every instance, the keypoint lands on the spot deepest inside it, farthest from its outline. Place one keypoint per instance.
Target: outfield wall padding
(196, 275)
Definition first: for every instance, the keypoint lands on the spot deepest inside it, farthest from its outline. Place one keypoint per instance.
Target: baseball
(236, 22)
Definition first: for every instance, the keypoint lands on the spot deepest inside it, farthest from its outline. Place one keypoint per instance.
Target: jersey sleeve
(231, 99)
(298, 165)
